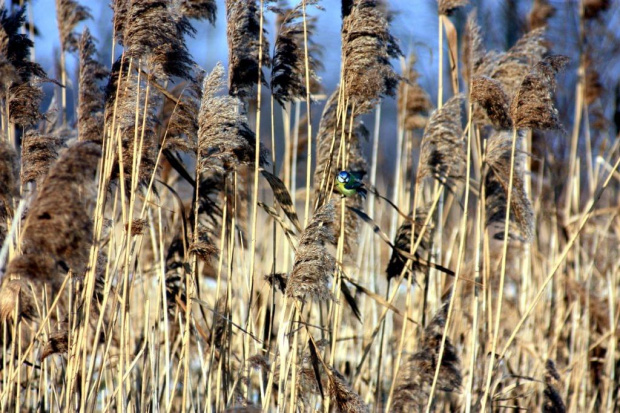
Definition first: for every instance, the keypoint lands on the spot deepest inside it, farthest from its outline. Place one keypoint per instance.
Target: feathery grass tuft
(90, 98)
(69, 14)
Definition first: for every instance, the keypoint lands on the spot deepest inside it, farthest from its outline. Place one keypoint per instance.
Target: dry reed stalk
(17, 293)
(245, 39)
(91, 98)
(367, 47)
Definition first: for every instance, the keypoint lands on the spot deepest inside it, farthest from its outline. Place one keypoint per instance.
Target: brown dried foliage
(473, 52)
(314, 264)
(532, 107)
(181, 117)
(367, 47)
(90, 94)
(57, 341)
(592, 9)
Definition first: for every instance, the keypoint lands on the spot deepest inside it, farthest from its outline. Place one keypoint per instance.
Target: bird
(350, 183)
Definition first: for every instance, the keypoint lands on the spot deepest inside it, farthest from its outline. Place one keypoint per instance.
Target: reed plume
(489, 95)
(180, 125)
(225, 140)
(121, 12)
(329, 129)
(57, 231)
(344, 397)
(244, 37)
(39, 152)
(496, 183)
(442, 151)
(413, 101)
(446, 7)
(532, 107)
(415, 377)
(200, 9)
(288, 73)
(553, 402)
(473, 51)
(69, 14)
(402, 241)
(9, 175)
(540, 14)
(314, 264)
(367, 47)
(12, 293)
(91, 98)
(156, 34)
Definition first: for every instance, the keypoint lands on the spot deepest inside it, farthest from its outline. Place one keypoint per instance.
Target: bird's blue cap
(343, 177)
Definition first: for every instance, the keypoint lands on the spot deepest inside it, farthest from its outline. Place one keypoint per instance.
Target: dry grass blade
(243, 33)
(532, 107)
(553, 402)
(367, 47)
(442, 153)
(314, 264)
(282, 196)
(496, 182)
(489, 94)
(91, 97)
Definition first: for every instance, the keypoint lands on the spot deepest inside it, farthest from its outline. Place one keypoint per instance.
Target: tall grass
(158, 256)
